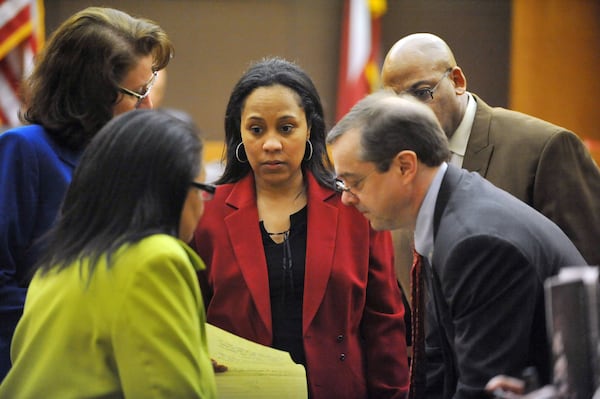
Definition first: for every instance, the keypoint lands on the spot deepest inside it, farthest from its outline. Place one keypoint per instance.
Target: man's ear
(458, 78)
(405, 163)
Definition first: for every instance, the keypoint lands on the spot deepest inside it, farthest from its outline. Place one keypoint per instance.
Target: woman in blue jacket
(99, 63)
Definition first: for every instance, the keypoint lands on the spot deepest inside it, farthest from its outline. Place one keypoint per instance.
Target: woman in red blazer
(288, 265)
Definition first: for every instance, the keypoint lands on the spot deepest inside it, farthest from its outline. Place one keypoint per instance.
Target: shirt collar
(424, 225)
(458, 142)
(65, 154)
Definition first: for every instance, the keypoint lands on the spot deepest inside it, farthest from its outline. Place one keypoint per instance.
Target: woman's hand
(219, 368)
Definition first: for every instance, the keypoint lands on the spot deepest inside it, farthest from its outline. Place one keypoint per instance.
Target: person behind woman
(288, 265)
(99, 63)
(114, 309)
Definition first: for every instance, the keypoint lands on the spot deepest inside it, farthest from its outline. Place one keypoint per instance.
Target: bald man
(544, 165)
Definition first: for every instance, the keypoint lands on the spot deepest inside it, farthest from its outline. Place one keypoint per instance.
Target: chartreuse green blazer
(134, 329)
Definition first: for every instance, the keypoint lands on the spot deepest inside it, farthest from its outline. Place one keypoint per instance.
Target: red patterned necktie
(417, 385)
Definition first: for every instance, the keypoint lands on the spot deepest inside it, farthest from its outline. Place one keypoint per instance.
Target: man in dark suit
(542, 164)
(486, 253)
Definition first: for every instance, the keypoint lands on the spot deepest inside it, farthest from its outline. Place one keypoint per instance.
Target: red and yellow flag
(360, 52)
(21, 37)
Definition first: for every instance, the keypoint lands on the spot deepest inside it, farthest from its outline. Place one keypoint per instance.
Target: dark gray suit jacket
(542, 164)
(485, 313)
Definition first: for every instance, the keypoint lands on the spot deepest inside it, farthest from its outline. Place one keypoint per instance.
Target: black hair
(269, 72)
(131, 182)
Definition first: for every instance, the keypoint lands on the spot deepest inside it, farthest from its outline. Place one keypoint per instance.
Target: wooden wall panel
(555, 68)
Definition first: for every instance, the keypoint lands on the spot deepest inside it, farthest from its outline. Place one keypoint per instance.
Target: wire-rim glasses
(141, 96)
(341, 187)
(426, 94)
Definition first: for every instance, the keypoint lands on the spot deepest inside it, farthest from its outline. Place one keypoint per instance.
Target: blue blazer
(486, 313)
(34, 175)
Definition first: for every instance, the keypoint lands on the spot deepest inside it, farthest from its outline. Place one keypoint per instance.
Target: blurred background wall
(536, 56)
(216, 39)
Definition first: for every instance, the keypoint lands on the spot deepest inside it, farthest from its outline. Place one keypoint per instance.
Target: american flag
(21, 36)
(360, 52)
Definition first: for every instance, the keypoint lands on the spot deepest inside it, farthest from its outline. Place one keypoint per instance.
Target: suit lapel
(320, 247)
(441, 328)
(244, 234)
(479, 149)
(448, 185)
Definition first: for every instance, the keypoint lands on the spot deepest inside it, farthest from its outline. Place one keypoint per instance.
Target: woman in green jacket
(114, 309)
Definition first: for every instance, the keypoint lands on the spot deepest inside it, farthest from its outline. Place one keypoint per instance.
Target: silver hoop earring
(310, 154)
(237, 153)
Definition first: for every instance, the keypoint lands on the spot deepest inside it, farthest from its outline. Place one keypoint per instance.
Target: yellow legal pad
(254, 370)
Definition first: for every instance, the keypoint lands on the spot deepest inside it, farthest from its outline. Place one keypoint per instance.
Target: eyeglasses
(426, 94)
(141, 96)
(207, 191)
(341, 187)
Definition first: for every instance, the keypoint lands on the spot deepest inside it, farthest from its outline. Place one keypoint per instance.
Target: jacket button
(343, 357)
(340, 338)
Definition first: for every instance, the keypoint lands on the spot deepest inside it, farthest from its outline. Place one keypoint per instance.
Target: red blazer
(352, 311)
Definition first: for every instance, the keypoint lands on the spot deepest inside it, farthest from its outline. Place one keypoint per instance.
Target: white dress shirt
(459, 140)
(424, 225)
